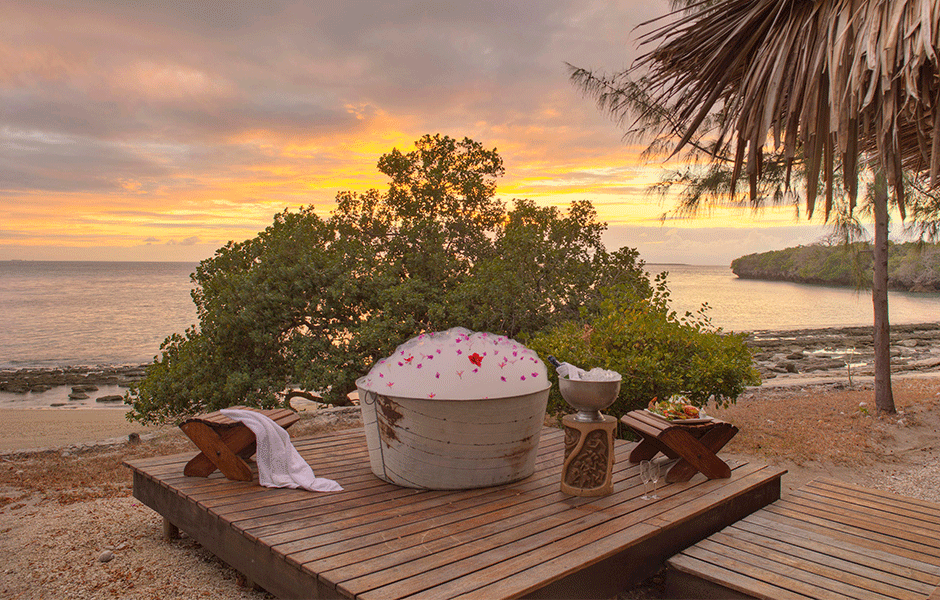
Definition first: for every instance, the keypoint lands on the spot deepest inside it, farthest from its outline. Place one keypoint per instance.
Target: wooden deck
(828, 539)
(375, 540)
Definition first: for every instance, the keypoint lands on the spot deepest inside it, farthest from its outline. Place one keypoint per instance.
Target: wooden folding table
(696, 445)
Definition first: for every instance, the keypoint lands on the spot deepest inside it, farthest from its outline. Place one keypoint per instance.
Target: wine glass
(654, 476)
(645, 476)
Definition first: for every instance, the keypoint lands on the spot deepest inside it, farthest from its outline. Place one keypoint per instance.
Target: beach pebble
(106, 556)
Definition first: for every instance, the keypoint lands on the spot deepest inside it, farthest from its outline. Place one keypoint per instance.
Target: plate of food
(678, 409)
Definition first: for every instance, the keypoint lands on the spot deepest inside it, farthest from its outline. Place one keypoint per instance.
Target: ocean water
(749, 305)
(90, 313)
(116, 313)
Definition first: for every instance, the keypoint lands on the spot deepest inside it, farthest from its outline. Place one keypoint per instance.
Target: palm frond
(844, 80)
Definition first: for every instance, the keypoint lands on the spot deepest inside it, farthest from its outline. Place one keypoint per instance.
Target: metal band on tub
(378, 430)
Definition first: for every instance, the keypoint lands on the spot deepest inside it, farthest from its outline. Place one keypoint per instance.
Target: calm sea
(104, 313)
(90, 313)
(749, 305)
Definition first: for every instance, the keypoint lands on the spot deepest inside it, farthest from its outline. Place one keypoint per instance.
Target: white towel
(279, 463)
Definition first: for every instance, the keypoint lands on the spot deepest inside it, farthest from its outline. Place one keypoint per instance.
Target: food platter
(698, 421)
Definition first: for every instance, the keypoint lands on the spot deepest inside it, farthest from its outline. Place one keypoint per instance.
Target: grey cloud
(289, 68)
(50, 163)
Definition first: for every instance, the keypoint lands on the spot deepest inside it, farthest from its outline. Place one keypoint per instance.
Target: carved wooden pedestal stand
(589, 456)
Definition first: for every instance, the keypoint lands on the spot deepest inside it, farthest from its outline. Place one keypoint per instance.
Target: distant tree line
(912, 266)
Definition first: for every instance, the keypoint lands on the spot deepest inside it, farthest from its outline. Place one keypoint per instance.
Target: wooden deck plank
(874, 558)
(605, 516)
(926, 506)
(530, 505)
(860, 530)
(729, 577)
(831, 531)
(377, 540)
(585, 548)
(824, 564)
(891, 516)
(424, 522)
(751, 581)
(391, 506)
(801, 577)
(825, 538)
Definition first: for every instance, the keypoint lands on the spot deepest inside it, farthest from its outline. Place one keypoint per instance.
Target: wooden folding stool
(226, 443)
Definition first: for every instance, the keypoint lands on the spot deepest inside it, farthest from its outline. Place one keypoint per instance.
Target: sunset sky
(161, 130)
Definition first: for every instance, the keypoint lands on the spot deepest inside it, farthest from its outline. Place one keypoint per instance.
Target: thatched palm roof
(842, 78)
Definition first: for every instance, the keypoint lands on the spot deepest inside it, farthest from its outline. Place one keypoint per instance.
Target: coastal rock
(23, 381)
(110, 398)
(106, 556)
(913, 348)
(78, 396)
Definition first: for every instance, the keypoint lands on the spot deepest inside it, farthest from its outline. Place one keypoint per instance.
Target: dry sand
(44, 428)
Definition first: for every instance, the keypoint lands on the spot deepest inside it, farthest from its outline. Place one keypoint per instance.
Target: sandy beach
(61, 511)
(51, 428)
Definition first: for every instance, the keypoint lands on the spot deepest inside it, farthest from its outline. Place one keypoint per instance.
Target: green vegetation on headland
(912, 266)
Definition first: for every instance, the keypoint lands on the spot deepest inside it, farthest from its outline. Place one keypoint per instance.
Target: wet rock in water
(39, 388)
(106, 556)
(85, 387)
(111, 398)
(78, 395)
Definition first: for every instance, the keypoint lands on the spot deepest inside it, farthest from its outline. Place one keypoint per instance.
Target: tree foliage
(311, 302)
(657, 352)
(911, 266)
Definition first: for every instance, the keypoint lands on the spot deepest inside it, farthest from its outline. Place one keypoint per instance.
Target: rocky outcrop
(81, 379)
(110, 398)
(846, 350)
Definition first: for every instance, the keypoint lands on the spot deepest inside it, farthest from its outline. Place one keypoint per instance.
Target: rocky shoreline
(845, 351)
(842, 351)
(84, 381)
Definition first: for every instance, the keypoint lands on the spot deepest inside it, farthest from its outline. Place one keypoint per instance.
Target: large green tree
(312, 302)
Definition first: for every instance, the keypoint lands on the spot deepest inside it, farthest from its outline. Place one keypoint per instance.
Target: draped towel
(279, 463)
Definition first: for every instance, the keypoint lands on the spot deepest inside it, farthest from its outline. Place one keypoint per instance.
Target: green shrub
(657, 352)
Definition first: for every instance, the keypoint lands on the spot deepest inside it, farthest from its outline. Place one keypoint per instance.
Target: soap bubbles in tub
(458, 364)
